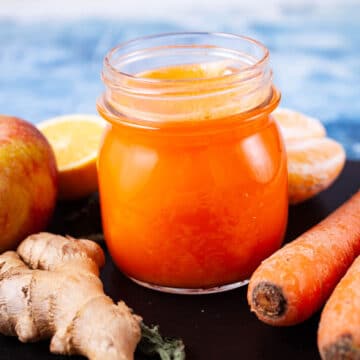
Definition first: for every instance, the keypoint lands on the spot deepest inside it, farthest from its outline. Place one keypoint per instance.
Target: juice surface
(193, 210)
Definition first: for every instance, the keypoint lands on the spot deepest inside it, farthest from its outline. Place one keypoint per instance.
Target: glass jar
(192, 169)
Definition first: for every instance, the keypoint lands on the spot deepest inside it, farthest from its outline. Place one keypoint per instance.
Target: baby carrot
(339, 328)
(295, 281)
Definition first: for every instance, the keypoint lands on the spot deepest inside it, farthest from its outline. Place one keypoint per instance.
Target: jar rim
(194, 127)
(135, 78)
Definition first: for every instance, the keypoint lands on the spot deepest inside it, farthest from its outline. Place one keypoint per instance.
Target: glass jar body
(199, 212)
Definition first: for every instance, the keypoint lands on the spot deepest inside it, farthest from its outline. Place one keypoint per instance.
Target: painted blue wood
(49, 68)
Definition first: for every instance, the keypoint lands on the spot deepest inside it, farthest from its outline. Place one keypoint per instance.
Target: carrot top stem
(343, 348)
(269, 300)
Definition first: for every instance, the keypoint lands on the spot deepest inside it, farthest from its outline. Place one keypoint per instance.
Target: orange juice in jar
(192, 169)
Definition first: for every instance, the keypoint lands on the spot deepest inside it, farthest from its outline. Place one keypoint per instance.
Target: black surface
(218, 326)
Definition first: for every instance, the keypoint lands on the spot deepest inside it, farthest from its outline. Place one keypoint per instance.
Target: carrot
(339, 328)
(295, 281)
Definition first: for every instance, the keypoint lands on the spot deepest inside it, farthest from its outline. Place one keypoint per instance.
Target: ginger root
(50, 288)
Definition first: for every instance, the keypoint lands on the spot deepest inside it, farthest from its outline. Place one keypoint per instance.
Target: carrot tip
(342, 349)
(268, 300)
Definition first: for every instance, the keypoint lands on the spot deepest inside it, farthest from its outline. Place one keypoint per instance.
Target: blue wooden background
(50, 67)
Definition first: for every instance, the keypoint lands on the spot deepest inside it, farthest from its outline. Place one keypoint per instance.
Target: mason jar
(192, 169)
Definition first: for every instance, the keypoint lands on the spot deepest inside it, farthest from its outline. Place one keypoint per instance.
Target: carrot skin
(339, 327)
(293, 283)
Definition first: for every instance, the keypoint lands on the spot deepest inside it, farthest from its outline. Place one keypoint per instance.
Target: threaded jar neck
(221, 75)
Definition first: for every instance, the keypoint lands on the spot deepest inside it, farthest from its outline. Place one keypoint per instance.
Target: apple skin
(28, 181)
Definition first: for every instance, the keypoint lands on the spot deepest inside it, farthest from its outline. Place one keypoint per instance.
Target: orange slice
(75, 140)
(294, 125)
(313, 165)
(314, 161)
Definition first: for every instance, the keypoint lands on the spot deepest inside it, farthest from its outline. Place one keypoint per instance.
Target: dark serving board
(217, 326)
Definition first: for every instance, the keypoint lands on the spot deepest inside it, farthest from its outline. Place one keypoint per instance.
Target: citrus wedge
(313, 165)
(295, 125)
(314, 160)
(75, 140)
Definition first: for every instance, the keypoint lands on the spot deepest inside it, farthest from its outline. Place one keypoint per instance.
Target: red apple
(28, 181)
